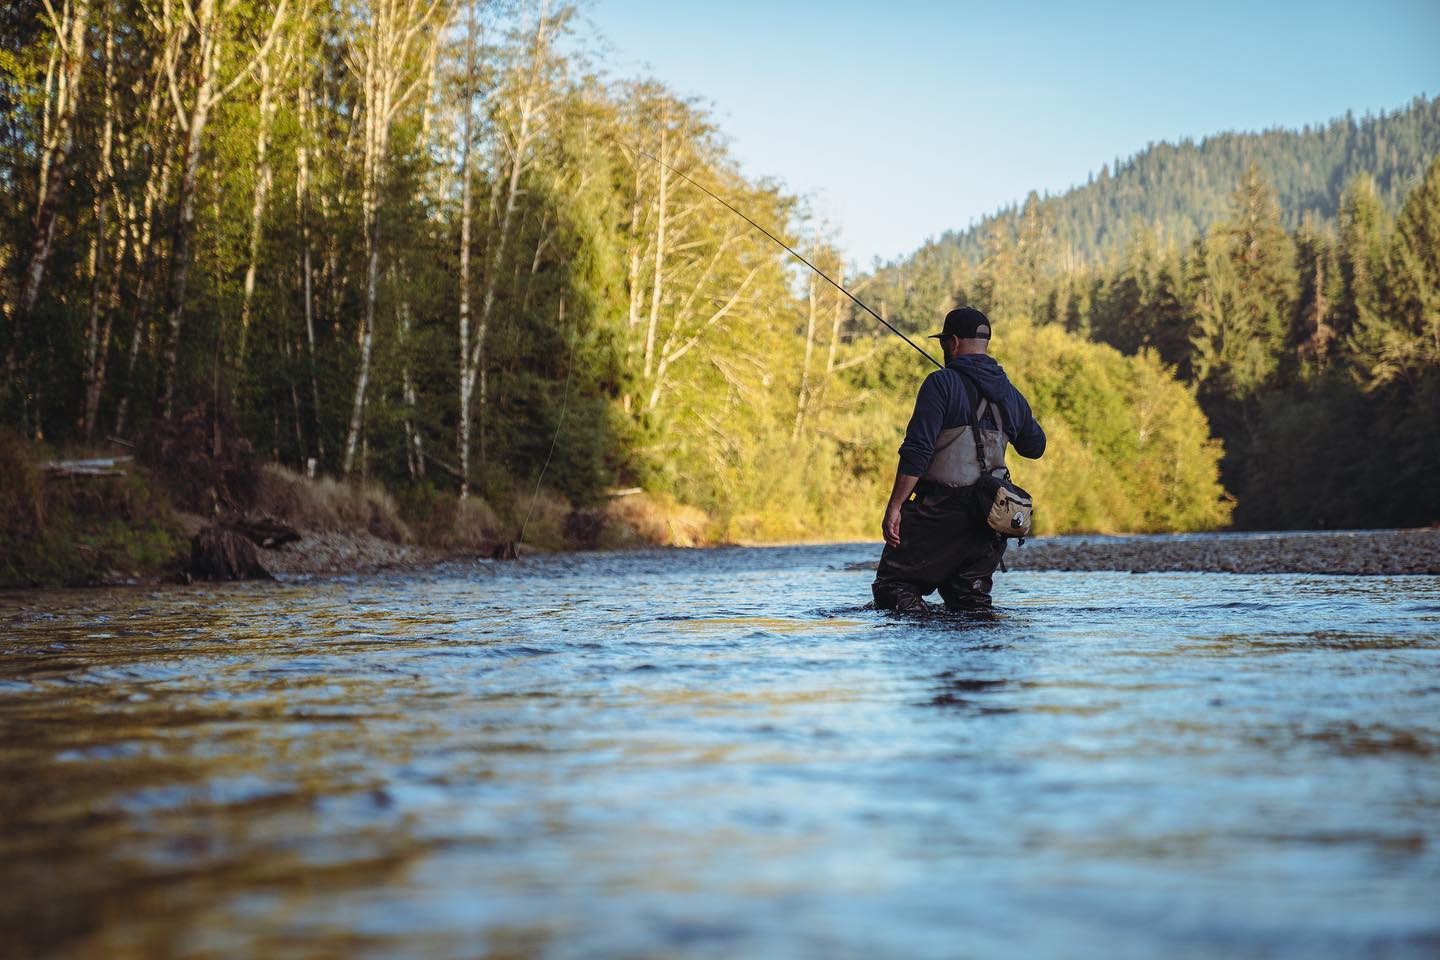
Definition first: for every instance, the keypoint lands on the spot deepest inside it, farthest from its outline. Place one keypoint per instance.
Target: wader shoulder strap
(977, 413)
(977, 431)
(976, 434)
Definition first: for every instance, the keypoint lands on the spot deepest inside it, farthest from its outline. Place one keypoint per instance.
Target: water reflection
(720, 753)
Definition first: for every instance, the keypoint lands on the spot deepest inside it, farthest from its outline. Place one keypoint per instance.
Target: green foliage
(1128, 446)
(1402, 341)
(1361, 256)
(1332, 455)
(636, 333)
(1245, 271)
(56, 532)
(1296, 343)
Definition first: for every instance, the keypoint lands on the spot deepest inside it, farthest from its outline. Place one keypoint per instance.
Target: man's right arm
(916, 452)
(904, 486)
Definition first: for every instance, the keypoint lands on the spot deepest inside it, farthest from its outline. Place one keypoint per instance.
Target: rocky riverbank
(338, 552)
(195, 501)
(1359, 552)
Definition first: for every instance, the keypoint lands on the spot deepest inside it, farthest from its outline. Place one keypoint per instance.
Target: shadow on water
(720, 753)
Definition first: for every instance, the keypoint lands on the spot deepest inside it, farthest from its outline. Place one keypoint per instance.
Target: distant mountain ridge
(1180, 189)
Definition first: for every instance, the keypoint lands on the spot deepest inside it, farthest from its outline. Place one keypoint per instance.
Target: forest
(1180, 189)
(423, 244)
(1313, 351)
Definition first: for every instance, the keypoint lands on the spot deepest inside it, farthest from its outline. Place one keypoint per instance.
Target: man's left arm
(1029, 440)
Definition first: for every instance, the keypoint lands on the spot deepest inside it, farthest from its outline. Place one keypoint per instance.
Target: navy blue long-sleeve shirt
(946, 400)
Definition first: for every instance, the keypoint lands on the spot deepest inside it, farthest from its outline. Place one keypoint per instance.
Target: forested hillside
(1314, 351)
(419, 242)
(1178, 190)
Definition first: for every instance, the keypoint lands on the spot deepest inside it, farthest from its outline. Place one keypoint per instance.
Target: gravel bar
(1358, 552)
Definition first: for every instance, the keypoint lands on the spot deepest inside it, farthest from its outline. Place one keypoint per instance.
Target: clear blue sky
(903, 120)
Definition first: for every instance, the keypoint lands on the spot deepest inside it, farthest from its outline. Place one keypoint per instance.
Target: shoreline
(1349, 552)
(1404, 552)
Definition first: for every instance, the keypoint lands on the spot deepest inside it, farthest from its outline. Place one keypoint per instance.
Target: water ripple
(721, 753)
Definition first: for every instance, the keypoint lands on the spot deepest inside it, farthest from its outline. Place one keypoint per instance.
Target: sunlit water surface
(721, 754)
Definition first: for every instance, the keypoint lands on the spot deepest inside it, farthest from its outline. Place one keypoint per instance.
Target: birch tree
(211, 23)
(62, 102)
(467, 138)
(387, 59)
(272, 70)
(151, 148)
(97, 338)
(517, 126)
(303, 145)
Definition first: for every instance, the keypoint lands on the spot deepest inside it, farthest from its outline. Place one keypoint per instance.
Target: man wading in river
(935, 535)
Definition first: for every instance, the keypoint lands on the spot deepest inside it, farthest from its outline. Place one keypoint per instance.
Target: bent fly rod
(791, 250)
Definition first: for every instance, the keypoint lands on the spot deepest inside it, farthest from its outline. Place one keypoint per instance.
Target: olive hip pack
(1007, 509)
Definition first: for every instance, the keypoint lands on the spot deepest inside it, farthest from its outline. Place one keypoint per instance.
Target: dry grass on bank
(658, 519)
(330, 506)
(548, 521)
(452, 525)
(22, 485)
(442, 521)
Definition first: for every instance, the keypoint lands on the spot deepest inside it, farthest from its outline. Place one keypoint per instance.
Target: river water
(721, 754)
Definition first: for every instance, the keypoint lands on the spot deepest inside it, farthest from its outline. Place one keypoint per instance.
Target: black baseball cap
(967, 323)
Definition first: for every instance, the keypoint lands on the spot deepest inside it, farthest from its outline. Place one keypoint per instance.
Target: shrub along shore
(196, 502)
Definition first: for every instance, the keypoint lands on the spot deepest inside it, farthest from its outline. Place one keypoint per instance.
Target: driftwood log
(262, 530)
(77, 469)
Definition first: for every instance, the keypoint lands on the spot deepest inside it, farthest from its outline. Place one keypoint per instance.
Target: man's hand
(891, 526)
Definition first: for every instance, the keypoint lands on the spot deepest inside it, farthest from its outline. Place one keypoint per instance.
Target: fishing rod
(791, 250)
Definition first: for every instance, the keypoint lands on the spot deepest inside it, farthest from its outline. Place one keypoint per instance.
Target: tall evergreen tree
(1312, 330)
(1404, 339)
(1251, 263)
(1360, 255)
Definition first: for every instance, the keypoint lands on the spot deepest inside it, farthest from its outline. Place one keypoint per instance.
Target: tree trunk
(157, 187)
(209, 39)
(370, 203)
(210, 27)
(287, 350)
(658, 284)
(70, 33)
(367, 323)
(264, 179)
(634, 272)
(157, 136)
(467, 369)
(519, 147)
(835, 319)
(381, 58)
(414, 442)
(802, 399)
(307, 270)
(98, 339)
